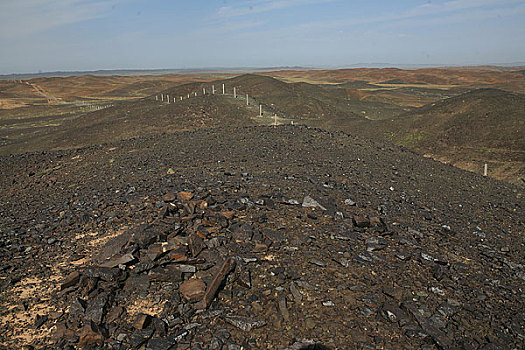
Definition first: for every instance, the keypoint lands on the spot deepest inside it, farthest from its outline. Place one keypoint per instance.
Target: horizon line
(378, 65)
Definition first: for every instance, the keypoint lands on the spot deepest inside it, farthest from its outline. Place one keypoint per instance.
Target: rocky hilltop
(257, 238)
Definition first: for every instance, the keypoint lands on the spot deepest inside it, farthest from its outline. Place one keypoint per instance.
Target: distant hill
(134, 72)
(489, 118)
(301, 100)
(293, 100)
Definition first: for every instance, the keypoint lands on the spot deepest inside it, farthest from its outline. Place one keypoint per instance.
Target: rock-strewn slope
(256, 238)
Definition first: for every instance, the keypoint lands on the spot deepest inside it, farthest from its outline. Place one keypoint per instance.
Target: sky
(79, 35)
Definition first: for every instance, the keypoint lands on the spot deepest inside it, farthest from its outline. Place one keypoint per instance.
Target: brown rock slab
(169, 197)
(142, 321)
(184, 196)
(89, 336)
(155, 251)
(228, 214)
(118, 260)
(193, 289)
(226, 268)
(196, 244)
(71, 280)
(169, 273)
(114, 314)
(178, 255)
(361, 221)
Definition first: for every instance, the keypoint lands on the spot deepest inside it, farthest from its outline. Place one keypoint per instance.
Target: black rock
(97, 308)
(139, 337)
(166, 343)
(104, 273)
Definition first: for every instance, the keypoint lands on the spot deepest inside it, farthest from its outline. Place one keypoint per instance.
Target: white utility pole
(213, 89)
(162, 97)
(168, 98)
(247, 101)
(234, 92)
(260, 110)
(204, 91)
(486, 170)
(223, 91)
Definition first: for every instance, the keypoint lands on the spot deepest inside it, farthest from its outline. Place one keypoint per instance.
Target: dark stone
(169, 197)
(241, 232)
(97, 307)
(145, 235)
(113, 246)
(170, 273)
(161, 343)
(375, 243)
(137, 284)
(196, 244)
(155, 251)
(438, 272)
(440, 338)
(243, 277)
(144, 266)
(105, 273)
(114, 314)
(393, 313)
(78, 307)
(139, 337)
(119, 260)
(274, 236)
(71, 280)
(90, 335)
(142, 321)
(160, 326)
(361, 221)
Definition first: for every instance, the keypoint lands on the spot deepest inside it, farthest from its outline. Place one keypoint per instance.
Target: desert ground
(295, 209)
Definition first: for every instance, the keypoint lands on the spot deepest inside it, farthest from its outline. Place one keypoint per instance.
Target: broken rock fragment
(193, 289)
(184, 196)
(89, 336)
(361, 221)
(169, 197)
(118, 260)
(244, 323)
(309, 202)
(142, 321)
(71, 280)
(226, 268)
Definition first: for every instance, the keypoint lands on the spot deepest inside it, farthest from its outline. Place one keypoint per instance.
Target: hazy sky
(49, 35)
